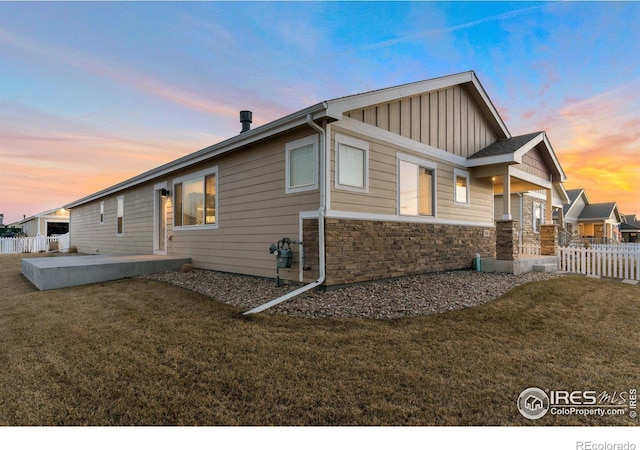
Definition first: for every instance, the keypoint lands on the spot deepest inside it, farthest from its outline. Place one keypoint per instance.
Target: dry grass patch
(146, 353)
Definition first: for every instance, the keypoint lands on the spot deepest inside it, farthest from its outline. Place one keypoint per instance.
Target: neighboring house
(630, 228)
(403, 180)
(48, 223)
(596, 221)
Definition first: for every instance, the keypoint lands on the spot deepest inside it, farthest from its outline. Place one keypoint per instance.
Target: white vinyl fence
(614, 261)
(529, 249)
(35, 244)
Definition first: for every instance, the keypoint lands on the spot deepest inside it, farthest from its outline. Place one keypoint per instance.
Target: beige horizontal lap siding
(382, 196)
(91, 236)
(253, 212)
(448, 119)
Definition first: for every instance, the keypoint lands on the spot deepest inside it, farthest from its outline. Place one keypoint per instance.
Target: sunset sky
(92, 93)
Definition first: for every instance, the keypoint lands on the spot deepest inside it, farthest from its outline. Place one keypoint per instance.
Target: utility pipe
(321, 213)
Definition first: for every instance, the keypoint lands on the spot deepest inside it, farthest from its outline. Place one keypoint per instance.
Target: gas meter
(284, 255)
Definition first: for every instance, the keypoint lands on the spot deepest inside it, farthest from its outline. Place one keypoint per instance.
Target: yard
(141, 352)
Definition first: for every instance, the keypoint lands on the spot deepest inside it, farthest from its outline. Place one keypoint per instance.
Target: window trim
(101, 213)
(118, 216)
(431, 165)
(188, 177)
(459, 173)
(294, 145)
(358, 144)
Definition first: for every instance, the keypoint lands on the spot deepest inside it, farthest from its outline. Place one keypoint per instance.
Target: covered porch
(523, 165)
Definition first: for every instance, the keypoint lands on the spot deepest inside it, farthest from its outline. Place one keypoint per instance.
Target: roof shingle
(505, 146)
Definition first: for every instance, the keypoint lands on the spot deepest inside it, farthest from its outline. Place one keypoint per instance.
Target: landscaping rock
(386, 299)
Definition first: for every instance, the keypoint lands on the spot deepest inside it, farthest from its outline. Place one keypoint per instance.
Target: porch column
(507, 240)
(548, 239)
(548, 214)
(506, 195)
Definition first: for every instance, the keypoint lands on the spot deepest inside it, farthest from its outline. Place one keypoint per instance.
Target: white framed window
(416, 180)
(461, 194)
(195, 200)
(301, 165)
(101, 213)
(352, 164)
(537, 216)
(120, 216)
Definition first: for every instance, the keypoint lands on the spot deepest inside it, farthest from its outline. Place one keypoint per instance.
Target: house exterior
(47, 223)
(630, 228)
(594, 221)
(386, 183)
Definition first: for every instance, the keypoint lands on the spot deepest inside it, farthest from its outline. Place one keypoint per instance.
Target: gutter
(321, 215)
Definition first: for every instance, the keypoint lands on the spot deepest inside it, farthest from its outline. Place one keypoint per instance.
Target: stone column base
(507, 240)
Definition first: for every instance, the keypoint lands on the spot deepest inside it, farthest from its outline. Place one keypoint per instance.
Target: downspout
(321, 214)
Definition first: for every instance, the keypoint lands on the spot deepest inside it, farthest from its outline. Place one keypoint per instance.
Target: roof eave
(317, 111)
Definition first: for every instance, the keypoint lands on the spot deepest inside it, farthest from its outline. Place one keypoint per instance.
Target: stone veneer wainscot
(365, 250)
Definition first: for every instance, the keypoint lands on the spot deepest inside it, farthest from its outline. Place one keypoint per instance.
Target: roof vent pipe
(245, 120)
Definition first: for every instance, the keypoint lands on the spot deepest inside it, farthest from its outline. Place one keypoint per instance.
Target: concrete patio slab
(523, 264)
(66, 271)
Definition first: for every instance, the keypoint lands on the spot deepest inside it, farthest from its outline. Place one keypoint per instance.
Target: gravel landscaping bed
(388, 299)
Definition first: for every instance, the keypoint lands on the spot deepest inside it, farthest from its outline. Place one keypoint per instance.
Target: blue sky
(92, 93)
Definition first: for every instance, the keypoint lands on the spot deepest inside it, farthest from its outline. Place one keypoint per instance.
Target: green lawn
(146, 353)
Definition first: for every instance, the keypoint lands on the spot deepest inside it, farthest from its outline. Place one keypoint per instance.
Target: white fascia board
(518, 154)
(489, 103)
(556, 162)
(542, 137)
(337, 107)
(395, 139)
(336, 214)
(508, 158)
(574, 204)
(525, 176)
(563, 193)
(248, 137)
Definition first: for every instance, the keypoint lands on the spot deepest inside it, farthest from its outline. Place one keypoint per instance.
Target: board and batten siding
(90, 236)
(253, 212)
(447, 119)
(382, 196)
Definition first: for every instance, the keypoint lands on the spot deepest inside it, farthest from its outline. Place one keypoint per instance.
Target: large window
(352, 164)
(195, 200)
(416, 184)
(302, 165)
(120, 216)
(461, 187)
